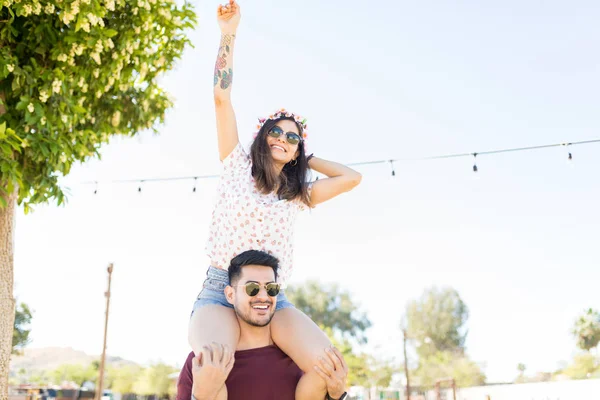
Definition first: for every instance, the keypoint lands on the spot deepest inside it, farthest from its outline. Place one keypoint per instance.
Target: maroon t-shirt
(266, 373)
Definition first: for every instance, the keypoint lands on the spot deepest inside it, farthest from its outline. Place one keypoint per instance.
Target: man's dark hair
(251, 257)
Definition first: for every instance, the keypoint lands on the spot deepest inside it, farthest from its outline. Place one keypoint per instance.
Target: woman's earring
(295, 162)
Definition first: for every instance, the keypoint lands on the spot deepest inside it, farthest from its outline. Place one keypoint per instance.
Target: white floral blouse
(245, 219)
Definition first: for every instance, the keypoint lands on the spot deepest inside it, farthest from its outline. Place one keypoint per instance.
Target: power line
(361, 163)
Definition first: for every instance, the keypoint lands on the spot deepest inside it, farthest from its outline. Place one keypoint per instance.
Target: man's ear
(230, 294)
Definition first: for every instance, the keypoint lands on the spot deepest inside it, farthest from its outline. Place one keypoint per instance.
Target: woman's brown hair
(292, 182)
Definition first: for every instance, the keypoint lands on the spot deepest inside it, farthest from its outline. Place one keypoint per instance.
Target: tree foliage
(22, 328)
(587, 330)
(339, 316)
(155, 380)
(331, 307)
(437, 321)
(74, 373)
(72, 74)
(363, 369)
(584, 366)
(446, 364)
(436, 324)
(521, 378)
(123, 379)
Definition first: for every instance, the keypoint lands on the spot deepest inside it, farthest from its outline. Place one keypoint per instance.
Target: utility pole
(99, 386)
(406, 366)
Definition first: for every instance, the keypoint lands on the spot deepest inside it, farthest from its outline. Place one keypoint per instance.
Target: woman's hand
(229, 16)
(340, 179)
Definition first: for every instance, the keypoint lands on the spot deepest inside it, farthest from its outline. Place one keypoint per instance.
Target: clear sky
(391, 79)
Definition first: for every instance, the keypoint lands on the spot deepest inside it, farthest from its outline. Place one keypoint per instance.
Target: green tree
(155, 380)
(521, 368)
(447, 364)
(381, 372)
(40, 378)
(333, 310)
(358, 371)
(363, 369)
(330, 307)
(73, 73)
(436, 321)
(584, 366)
(22, 328)
(74, 373)
(123, 379)
(587, 330)
(19, 378)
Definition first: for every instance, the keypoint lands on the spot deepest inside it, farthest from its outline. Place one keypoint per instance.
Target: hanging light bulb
(140, 187)
(567, 147)
(475, 169)
(96, 188)
(392, 165)
(195, 180)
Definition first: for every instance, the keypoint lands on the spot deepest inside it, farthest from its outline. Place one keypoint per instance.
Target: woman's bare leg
(304, 342)
(214, 323)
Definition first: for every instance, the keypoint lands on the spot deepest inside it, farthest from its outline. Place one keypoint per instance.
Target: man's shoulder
(190, 357)
(185, 379)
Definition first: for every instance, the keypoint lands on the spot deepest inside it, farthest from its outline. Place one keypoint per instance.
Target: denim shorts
(213, 291)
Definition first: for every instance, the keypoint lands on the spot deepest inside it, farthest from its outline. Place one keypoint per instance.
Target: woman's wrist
(230, 33)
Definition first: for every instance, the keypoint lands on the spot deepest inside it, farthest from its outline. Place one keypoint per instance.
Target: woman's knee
(299, 337)
(311, 355)
(213, 323)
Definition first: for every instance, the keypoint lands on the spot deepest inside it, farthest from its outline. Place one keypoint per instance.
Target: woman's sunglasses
(292, 138)
(252, 288)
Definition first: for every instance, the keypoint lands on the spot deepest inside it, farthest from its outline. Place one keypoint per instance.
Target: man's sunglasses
(292, 138)
(252, 288)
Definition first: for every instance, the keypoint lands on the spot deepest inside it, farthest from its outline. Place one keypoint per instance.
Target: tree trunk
(7, 301)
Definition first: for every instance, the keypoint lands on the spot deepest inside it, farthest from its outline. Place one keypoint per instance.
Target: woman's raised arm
(227, 134)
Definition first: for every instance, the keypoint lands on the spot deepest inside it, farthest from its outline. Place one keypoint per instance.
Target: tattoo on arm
(224, 75)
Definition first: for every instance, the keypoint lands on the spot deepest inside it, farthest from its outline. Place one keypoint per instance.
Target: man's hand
(210, 370)
(334, 371)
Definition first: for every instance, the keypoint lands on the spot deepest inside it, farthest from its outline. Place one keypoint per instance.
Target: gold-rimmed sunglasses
(253, 288)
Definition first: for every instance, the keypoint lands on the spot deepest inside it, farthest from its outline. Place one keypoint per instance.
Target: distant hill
(49, 358)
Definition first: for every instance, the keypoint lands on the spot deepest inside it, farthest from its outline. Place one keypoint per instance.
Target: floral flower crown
(283, 113)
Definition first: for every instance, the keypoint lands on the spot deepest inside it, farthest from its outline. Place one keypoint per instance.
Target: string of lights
(195, 178)
(475, 154)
